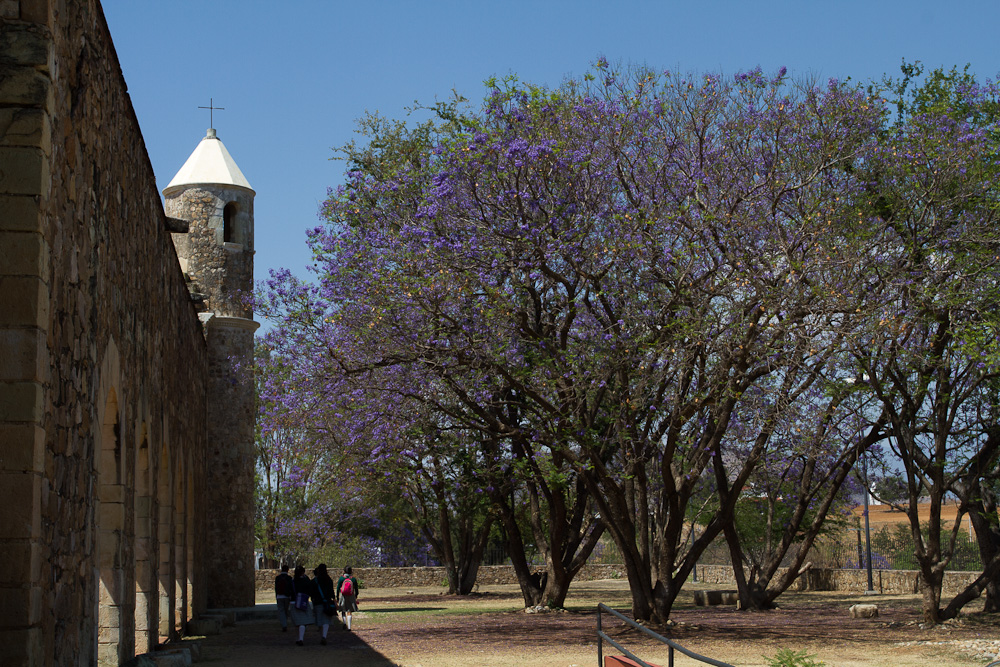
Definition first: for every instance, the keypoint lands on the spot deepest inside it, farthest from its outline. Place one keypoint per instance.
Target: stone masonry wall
(230, 462)
(885, 581)
(223, 272)
(102, 371)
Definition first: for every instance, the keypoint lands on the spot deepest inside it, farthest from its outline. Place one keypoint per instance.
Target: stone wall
(102, 371)
(222, 272)
(401, 577)
(230, 462)
(817, 579)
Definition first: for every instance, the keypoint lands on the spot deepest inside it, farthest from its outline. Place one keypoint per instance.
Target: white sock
(348, 621)
(302, 632)
(325, 628)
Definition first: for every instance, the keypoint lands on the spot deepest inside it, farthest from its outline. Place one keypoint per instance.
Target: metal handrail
(602, 637)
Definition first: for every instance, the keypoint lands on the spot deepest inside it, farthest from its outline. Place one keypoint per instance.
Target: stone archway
(110, 523)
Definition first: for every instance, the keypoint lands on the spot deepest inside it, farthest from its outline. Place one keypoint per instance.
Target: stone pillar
(25, 152)
(229, 470)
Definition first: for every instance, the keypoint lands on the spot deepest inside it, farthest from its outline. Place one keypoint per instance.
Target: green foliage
(786, 657)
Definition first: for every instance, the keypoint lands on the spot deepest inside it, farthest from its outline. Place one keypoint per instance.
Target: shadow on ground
(259, 643)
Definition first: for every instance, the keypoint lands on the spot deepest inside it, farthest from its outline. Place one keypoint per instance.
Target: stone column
(229, 493)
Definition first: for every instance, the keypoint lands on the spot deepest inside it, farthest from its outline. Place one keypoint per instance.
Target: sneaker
(298, 643)
(323, 641)
(284, 629)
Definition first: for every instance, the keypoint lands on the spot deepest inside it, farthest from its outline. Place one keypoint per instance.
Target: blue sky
(294, 76)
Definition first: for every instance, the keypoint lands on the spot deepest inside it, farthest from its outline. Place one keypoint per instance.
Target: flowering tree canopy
(616, 295)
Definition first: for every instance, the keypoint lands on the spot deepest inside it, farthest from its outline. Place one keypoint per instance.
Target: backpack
(301, 599)
(347, 588)
(283, 585)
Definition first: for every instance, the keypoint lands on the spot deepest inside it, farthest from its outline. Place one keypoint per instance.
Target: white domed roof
(209, 164)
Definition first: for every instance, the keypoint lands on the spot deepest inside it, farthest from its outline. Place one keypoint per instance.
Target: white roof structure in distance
(210, 163)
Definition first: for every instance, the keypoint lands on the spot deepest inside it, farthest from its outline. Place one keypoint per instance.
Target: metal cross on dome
(212, 108)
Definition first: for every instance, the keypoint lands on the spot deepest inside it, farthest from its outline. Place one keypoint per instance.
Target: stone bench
(712, 598)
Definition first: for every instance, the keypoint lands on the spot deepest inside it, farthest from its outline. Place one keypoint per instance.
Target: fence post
(600, 640)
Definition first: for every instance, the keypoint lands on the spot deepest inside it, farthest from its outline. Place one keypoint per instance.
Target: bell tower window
(229, 222)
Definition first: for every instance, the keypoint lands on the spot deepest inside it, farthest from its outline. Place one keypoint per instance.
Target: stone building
(126, 414)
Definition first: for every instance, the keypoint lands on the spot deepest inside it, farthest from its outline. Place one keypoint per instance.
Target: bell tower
(216, 253)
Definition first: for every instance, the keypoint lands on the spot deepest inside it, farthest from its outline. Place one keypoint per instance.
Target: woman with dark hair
(302, 591)
(347, 589)
(324, 602)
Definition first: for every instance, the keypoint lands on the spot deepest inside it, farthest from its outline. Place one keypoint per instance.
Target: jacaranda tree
(931, 356)
(612, 301)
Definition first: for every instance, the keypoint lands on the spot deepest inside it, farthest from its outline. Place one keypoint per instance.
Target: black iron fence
(672, 645)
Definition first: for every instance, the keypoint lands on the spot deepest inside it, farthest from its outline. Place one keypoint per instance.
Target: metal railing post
(671, 645)
(600, 640)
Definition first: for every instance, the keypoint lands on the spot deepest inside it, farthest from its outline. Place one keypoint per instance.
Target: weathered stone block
(143, 573)
(10, 9)
(22, 449)
(19, 213)
(22, 44)
(35, 11)
(226, 617)
(20, 648)
(25, 355)
(864, 611)
(25, 86)
(109, 616)
(107, 652)
(712, 598)
(20, 606)
(112, 494)
(23, 564)
(23, 254)
(20, 513)
(111, 515)
(21, 402)
(23, 170)
(25, 127)
(204, 627)
(24, 301)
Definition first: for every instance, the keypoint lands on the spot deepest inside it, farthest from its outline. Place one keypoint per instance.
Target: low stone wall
(816, 579)
(402, 577)
(902, 582)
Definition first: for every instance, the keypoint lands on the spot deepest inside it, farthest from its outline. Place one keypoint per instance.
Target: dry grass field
(424, 628)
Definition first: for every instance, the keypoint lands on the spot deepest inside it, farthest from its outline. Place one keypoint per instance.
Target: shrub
(786, 657)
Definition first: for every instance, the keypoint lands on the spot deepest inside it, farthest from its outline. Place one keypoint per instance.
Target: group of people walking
(315, 601)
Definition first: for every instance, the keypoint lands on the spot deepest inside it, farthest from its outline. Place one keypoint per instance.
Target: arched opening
(145, 637)
(110, 513)
(229, 234)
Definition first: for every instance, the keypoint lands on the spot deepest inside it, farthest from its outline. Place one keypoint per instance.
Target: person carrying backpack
(302, 591)
(347, 590)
